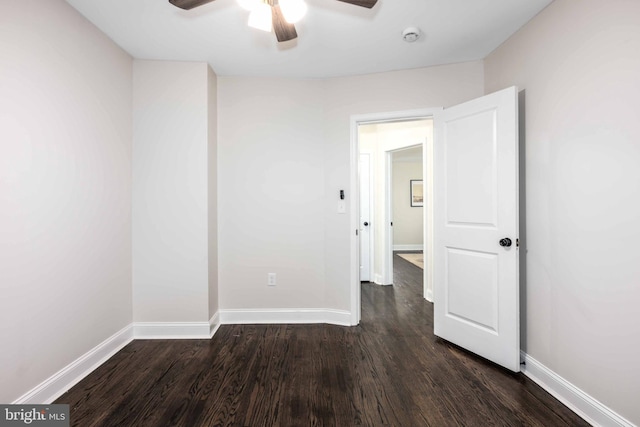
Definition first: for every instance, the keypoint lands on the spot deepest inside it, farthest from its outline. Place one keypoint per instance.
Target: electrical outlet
(271, 279)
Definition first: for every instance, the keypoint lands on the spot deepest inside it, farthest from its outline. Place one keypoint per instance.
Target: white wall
(170, 192)
(578, 63)
(271, 170)
(65, 191)
(284, 154)
(408, 224)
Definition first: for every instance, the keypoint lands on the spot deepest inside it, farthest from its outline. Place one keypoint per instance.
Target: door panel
(476, 292)
(471, 184)
(472, 279)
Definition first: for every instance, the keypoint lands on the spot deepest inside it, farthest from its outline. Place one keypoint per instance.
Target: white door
(365, 217)
(476, 295)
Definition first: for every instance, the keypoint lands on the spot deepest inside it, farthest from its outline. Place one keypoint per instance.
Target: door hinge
(356, 231)
(517, 243)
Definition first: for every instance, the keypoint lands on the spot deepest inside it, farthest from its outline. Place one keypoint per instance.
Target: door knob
(366, 223)
(506, 242)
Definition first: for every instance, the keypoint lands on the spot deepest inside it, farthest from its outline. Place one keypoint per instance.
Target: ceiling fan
(277, 14)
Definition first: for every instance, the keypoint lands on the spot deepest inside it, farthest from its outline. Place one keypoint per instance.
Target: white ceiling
(413, 154)
(334, 39)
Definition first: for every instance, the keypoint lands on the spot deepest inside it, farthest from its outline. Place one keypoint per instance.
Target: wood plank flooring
(389, 371)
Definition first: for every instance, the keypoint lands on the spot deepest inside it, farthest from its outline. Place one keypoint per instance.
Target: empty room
(184, 241)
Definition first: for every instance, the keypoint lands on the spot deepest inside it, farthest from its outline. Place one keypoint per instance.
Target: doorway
(406, 207)
(378, 136)
(475, 250)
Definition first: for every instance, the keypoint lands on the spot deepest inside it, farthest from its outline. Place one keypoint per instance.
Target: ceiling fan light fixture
(249, 4)
(293, 10)
(260, 17)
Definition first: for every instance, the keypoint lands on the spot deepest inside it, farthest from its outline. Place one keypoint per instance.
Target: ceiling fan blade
(284, 31)
(188, 4)
(364, 3)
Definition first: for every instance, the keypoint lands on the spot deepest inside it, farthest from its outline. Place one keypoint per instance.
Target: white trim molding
(587, 407)
(214, 324)
(56, 385)
(172, 330)
(285, 316)
(429, 295)
(417, 247)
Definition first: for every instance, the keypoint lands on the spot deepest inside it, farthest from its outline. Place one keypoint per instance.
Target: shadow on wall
(523, 218)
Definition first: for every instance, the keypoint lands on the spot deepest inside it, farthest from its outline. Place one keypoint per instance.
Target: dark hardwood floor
(389, 371)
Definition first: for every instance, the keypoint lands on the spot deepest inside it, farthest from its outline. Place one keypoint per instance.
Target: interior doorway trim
(361, 119)
(387, 266)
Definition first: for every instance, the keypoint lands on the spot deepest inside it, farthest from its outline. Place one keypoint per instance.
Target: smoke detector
(411, 34)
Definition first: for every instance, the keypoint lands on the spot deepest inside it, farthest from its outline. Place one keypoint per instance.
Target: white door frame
(360, 119)
(387, 266)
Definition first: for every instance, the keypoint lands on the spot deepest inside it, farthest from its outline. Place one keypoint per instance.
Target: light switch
(342, 207)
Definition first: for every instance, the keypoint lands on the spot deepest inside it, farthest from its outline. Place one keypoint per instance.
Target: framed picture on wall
(417, 193)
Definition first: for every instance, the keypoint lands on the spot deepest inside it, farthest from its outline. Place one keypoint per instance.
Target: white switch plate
(342, 207)
(271, 279)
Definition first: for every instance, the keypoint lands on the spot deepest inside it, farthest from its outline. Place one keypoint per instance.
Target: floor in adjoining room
(388, 371)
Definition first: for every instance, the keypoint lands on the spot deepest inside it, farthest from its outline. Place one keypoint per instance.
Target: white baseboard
(172, 330)
(429, 295)
(377, 279)
(408, 247)
(214, 324)
(575, 399)
(247, 317)
(56, 385)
